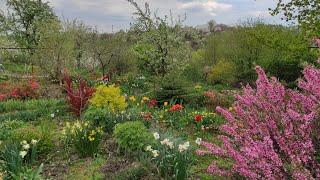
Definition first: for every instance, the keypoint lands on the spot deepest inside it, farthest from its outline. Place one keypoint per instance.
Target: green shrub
(288, 71)
(31, 132)
(132, 136)
(223, 72)
(84, 136)
(195, 98)
(172, 88)
(103, 117)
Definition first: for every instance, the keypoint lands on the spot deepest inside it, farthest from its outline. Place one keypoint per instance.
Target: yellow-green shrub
(109, 97)
(223, 72)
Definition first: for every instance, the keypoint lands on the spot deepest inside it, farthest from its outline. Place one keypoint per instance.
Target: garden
(159, 100)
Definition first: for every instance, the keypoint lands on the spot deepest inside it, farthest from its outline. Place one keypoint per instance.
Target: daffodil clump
(172, 156)
(28, 150)
(85, 137)
(109, 97)
(18, 158)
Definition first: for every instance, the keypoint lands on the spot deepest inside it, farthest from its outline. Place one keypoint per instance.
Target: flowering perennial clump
(172, 157)
(177, 107)
(269, 132)
(28, 150)
(84, 136)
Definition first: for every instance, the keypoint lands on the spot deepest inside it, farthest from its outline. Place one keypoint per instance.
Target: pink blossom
(269, 136)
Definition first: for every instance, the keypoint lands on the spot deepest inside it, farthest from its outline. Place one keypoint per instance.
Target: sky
(113, 15)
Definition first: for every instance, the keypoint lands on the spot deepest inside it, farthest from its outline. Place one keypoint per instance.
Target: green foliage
(205, 120)
(195, 70)
(6, 128)
(176, 119)
(256, 43)
(61, 46)
(101, 117)
(80, 39)
(289, 71)
(172, 88)
(133, 83)
(160, 47)
(107, 119)
(85, 137)
(223, 72)
(13, 162)
(112, 52)
(42, 133)
(18, 105)
(132, 136)
(30, 173)
(306, 12)
(21, 21)
(89, 169)
(109, 97)
(31, 110)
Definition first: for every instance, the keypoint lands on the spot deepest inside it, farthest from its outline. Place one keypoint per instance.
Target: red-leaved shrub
(23, 90)
(77, 96)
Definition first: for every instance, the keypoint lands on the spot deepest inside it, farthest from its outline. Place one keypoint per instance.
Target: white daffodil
(155, 153)
(26, 146)
(34, 142)
(156, 135)
(184, 146)
(198, 141)
(149, 148)
(167, 142)
(23, 153)
(23, 142)
(187, 144)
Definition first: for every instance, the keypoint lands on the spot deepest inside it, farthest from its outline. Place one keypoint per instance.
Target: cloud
(206, 6)
(263, 14)
(110, 15)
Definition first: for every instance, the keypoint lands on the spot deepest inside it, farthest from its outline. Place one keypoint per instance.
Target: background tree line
(158, 47)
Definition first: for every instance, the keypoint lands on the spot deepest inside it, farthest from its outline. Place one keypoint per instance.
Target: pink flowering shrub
(270, 133)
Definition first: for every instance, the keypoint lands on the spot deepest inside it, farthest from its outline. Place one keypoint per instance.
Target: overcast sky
(106, 14)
